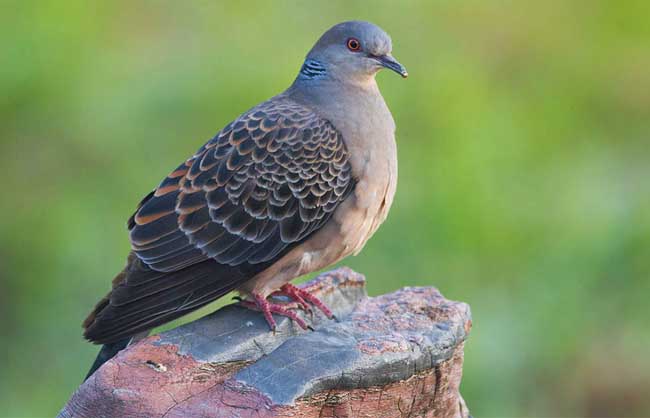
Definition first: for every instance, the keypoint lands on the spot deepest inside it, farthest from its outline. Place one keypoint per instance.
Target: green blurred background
(523, 136)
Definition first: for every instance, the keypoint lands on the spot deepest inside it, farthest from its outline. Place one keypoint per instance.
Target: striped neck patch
(312, 69)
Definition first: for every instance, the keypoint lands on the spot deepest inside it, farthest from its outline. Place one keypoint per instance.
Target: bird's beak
(391, 63)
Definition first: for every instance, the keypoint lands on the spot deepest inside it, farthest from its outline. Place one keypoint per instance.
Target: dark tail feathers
(107, 352)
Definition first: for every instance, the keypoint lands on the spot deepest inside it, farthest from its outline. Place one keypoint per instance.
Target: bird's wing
(257, 189)
(265, 182)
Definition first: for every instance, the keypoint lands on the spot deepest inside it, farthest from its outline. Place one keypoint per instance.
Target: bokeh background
(524, 149)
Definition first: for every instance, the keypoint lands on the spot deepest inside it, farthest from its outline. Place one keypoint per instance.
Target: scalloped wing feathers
(261, 186)
(267, 180)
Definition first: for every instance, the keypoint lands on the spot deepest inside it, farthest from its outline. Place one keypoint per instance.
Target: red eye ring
(353, 44)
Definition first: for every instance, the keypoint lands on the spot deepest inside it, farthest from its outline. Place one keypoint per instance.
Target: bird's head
(352, 50)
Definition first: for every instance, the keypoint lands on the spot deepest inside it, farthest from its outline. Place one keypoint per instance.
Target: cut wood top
(376, 341)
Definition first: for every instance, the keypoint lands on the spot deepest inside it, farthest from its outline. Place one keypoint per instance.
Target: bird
(291, 186)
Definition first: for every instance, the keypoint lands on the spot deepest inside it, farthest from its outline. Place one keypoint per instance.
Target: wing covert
(261, 185)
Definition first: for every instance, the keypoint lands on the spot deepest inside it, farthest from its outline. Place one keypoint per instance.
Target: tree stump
(395, 355)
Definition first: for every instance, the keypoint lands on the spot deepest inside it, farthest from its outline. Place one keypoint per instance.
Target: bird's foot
(297, 301)
(268, 309)
(302, 296)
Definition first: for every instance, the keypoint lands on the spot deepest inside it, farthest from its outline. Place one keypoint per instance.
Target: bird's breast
(372, 198)
(373, 156)
(368, 130)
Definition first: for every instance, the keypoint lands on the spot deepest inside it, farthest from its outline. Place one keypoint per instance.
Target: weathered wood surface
(396, 355)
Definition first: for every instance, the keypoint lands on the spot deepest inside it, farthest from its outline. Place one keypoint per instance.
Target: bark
(395, 355)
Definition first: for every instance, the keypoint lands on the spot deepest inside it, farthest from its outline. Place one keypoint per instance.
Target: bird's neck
(316, 74)
(357, 110)
(334, 96)
(312, 70)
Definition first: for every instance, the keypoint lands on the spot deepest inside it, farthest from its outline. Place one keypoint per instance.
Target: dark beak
(391, 63)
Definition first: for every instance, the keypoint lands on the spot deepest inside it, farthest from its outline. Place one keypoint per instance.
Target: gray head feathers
(372, 38)
(350, 51)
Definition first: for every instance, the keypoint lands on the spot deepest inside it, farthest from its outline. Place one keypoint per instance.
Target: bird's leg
(267, 308)
(298, 301)
(302, 296)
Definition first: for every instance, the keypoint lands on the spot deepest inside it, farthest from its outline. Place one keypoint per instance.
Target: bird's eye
(354, 45)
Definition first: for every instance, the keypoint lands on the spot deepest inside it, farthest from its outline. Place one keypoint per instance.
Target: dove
(293, 185)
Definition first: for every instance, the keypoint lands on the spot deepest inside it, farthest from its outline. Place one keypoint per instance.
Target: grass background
(523, 136)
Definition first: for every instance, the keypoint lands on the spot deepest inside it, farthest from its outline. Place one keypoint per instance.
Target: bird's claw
(301, 300)
(268, 309)
(304, 298)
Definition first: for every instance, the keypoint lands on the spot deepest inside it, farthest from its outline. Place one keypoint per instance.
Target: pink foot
(268, 309)
(298, 301)
(302, 296)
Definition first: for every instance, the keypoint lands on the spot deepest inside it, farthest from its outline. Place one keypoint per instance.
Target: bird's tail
(110, 350)
(107, 352)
